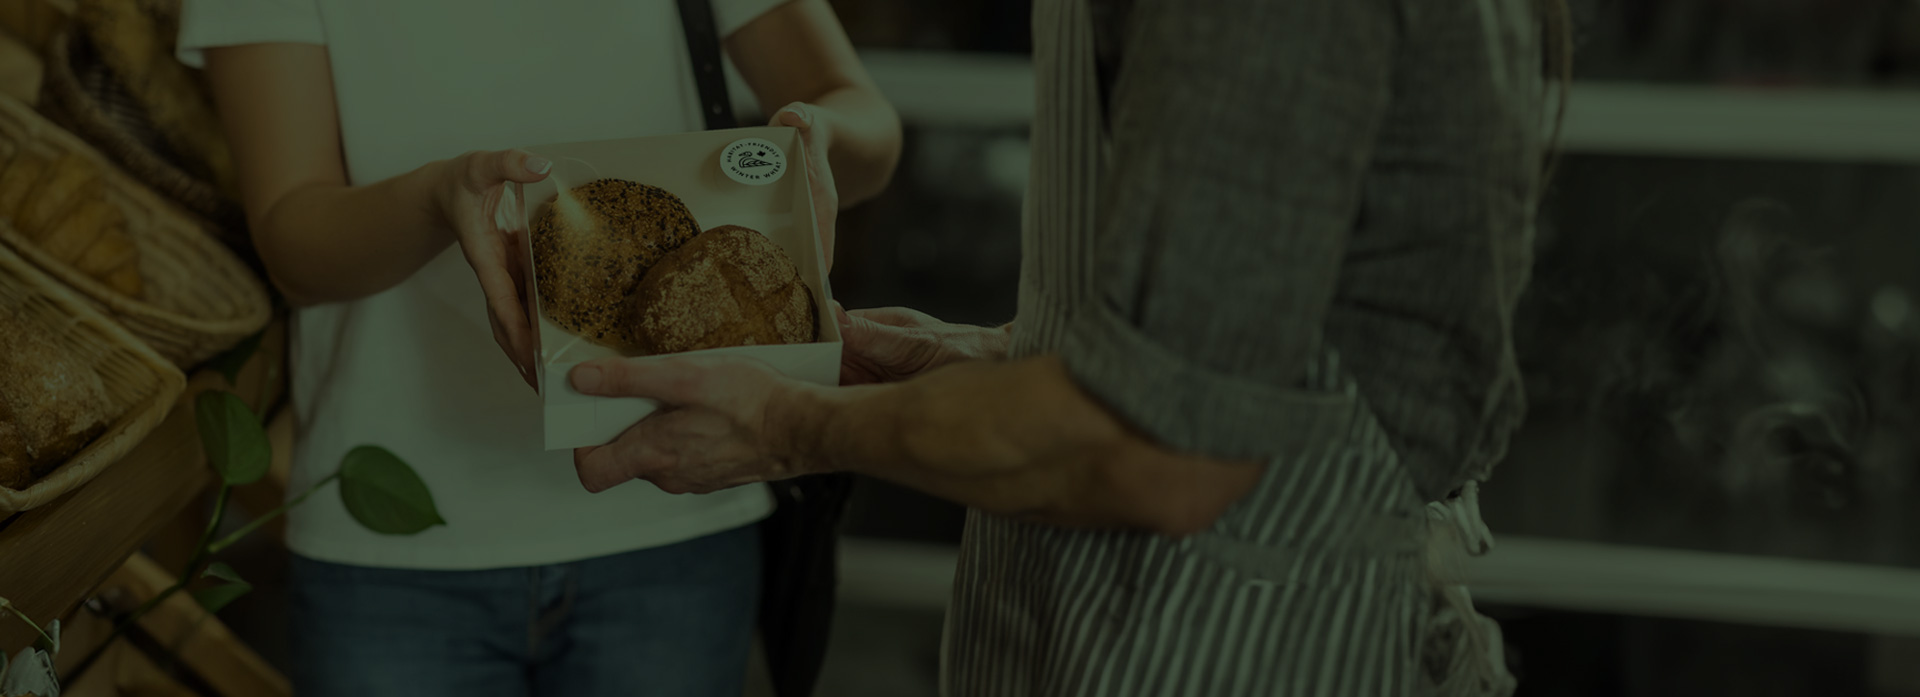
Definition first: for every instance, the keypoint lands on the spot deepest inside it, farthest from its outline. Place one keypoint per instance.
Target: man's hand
(1013, 438)
(723, 422)
(890, 344)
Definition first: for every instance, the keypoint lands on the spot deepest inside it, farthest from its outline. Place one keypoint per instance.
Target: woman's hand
(479, 198)
(895, 343)
(817, 135)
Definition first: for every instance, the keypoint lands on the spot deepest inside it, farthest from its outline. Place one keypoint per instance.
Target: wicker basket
(141, 386)
(80, 93)
(199, 299)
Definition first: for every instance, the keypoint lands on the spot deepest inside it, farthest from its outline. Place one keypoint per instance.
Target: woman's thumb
(509, 165)
(795, 115)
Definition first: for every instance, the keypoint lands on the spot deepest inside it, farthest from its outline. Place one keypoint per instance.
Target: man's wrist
(990, 343)
(804, 417)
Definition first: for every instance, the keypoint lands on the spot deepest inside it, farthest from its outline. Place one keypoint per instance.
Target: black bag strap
(703, 46)
(799, 542)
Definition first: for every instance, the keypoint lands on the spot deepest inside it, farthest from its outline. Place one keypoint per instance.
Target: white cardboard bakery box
(751, 177)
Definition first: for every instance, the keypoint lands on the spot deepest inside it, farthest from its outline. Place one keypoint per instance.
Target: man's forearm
(328, 243)
(866, 141)
(1010, 438)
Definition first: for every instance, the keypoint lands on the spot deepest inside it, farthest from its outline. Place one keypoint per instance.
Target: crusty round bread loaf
(587, 277)
(730, 286)
(52, 404)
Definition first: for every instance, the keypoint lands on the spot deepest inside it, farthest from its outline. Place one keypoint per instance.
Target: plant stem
(186, 576)
(255, 524)
(8, 607)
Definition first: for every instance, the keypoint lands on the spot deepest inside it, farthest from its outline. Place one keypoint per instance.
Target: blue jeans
(674, 621)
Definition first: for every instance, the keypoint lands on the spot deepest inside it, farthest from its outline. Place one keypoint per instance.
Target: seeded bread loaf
(730, 286)
(590, 258)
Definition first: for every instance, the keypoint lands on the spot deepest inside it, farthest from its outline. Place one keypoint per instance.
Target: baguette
(61, 207)
(16, 182)
(112, 251)
(70, 237)
(126, 280)
(68, 181)
(114, 261)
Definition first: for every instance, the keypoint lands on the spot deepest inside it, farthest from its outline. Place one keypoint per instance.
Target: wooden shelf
(53, 556)
(196, 641)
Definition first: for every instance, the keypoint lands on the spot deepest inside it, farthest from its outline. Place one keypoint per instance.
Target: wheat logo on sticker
(753, 161)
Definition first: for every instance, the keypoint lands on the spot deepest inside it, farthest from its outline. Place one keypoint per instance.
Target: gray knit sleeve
(1241, 132)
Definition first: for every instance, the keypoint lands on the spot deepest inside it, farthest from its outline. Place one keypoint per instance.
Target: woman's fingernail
(538, 165)
(840, 315)
(586, 378)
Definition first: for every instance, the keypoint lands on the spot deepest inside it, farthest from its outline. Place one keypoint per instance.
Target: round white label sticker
(753, 161)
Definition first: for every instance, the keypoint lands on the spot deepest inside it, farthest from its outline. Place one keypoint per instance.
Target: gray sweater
(1286, 175)
(1289, 231)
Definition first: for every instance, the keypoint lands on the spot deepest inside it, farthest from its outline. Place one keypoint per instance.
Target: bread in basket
(76, 390)
(186, 295)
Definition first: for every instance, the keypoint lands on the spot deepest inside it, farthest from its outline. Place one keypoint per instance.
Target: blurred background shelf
(983, 90)
(954, 89)
(1783, 123)
(1541, 573)
(1742, 589)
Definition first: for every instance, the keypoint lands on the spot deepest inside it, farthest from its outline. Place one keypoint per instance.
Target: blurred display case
(1765, 42)
(1725, 356)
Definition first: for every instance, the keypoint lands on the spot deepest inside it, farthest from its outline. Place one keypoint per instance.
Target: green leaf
(217, 597)
(384, 494)
(236, 445)
(221, 571)
(230, 362)
(220, 596)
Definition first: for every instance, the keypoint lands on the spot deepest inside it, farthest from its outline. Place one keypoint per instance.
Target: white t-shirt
(415, 368)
